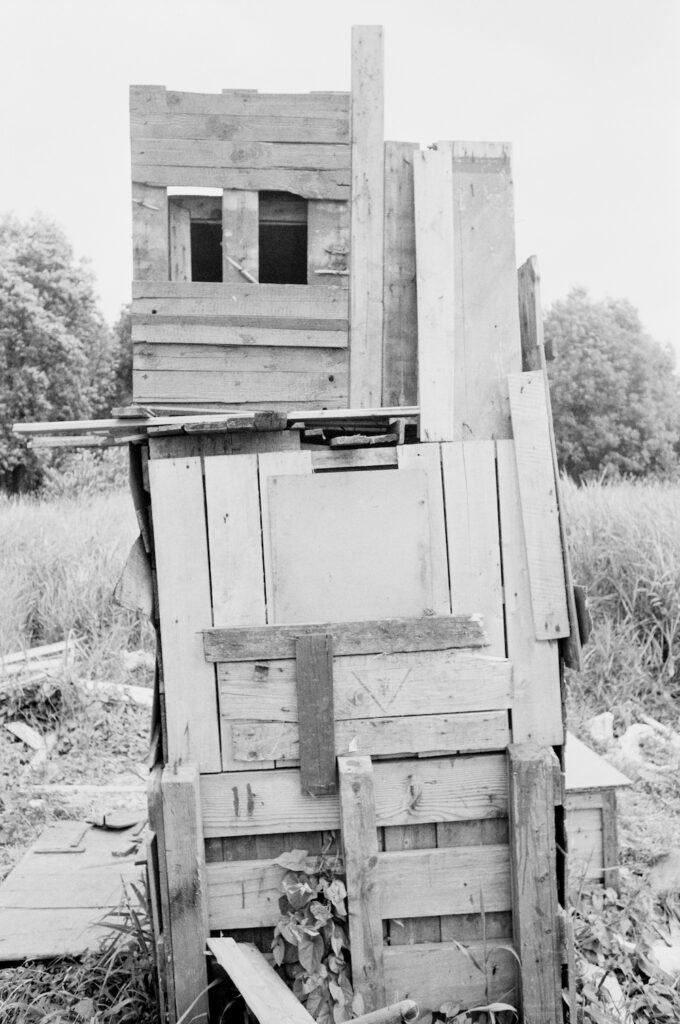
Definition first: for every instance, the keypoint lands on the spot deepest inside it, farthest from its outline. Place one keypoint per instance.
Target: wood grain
(400, 317)
(314, 693)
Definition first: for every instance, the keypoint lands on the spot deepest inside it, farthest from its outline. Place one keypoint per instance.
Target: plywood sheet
(350, 546)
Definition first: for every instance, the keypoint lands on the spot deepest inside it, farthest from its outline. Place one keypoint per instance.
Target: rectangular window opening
(195, 228)
(282, 238)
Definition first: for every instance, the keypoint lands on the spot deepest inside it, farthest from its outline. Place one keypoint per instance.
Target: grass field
(60, 559)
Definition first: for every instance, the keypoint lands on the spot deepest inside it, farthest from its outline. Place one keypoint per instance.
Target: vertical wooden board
(233, 513)
(530, 320)
(610, 839)
(473, 536)
(411, 930)
(366, 217)
(314, 678)
(187, 887)
(180, 242)
(487, 339)
(185, 609)
(150, 232)
(328, 242)
(427, 457)
(400, 315)
(370, 535)
(240, 235)
(360, 843)
(275, 464)
(538, 498)
(435, 286)
(534, 881)
(537, 709)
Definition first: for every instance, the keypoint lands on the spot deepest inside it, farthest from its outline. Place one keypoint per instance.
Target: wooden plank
(538, 496)
(240, 234)
(370, 685)
(368, 185)
(237, 443)
(585, 770)
(314, 685)
(211, 153)
(250, 359)
(263, 991)
(235, 127)
(407, 931)
(371, 533)
(437, 973)
(472, 529)
(410, 883)
(187, 887)
(426, 457)
(487, 340)
(180, 242)
(400, 316)
(330, 459)
(360, 848)
(185, 607)
(328, 242)
(191, 331)
(409, 792)
(154, 98)
(310, 184)
(315, 386)
(150, 247)
(610, 840)
(534, 881)
(537, 714)
(530, 320)
(411, 734)
(382, 636)
(206, 298)
(435, 286)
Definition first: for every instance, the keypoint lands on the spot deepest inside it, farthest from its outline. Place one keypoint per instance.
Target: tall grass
(625, 548)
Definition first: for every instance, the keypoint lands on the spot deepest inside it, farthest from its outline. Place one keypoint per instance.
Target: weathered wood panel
(180, 242)
(240, 234)
(252, 359)
(263, 991)
(426, 457)
(145, 99)
(308, 184)
(150, 244)
(314, 699)
(206, 298)
(328, 243)
(400, 317)
(233, 386)
(171, 153)
(330, 127)
(193, 331)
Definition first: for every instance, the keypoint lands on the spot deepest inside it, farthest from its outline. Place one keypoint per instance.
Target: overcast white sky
(587, 91)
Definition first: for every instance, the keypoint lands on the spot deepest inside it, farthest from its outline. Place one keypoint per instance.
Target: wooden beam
(240, 236)
(360, 845)
(187, 888)
(263, 991)
(180, 242)
(400, 316)
(534, 881)
(314, 679)
(366, 216)
(150, 247)
(378, 636)
(433, 185)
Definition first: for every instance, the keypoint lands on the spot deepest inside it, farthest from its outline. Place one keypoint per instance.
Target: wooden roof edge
(585, 770)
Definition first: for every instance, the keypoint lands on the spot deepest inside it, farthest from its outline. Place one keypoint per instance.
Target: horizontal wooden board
(371, 685)
(206, 298)
(242, 359)
(192, 331)
(436, 973)
(381, 636)
(334, 459)
(408, 792)
(237, 385)
(412, 883)
(244, 154)
(250, 102)
(380, 737)
(236, 128)
(308, 184)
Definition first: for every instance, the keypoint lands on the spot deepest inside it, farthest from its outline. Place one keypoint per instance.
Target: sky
(587, 92)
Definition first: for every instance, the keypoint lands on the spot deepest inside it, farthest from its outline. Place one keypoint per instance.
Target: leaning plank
(412, 734)
(410, 883)
(433, 185)
(151, 253)
(410, 792)
(184, 606)
(537, 713)
(400, 322)
(378, 636)
(366, 216)
(263, 991)
(443, 972)
(187, 886)
(368, 685)
(534, 881)
(538, 496)
(360, 847)
(382, 636)
(314, 693)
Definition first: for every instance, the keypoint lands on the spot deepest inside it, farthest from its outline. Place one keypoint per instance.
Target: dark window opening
(282, 238)
(206, 250)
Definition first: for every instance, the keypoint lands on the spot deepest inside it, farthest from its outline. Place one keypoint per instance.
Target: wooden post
(360, 842)
(536, 927)
(314, 674)
(400, 319)
(366, 218)
(610, 839)
(188, 910)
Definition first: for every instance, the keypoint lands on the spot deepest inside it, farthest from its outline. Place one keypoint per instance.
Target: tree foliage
(57, 358)
(615, 396)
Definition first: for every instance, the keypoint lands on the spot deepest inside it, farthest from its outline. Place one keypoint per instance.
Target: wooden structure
(345, 479)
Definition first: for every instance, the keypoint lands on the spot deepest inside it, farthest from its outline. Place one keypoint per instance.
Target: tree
(122, 331)
(615, 396)
(56, 352)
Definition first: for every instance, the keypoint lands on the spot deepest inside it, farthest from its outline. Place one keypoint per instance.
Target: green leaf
(311, 951)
